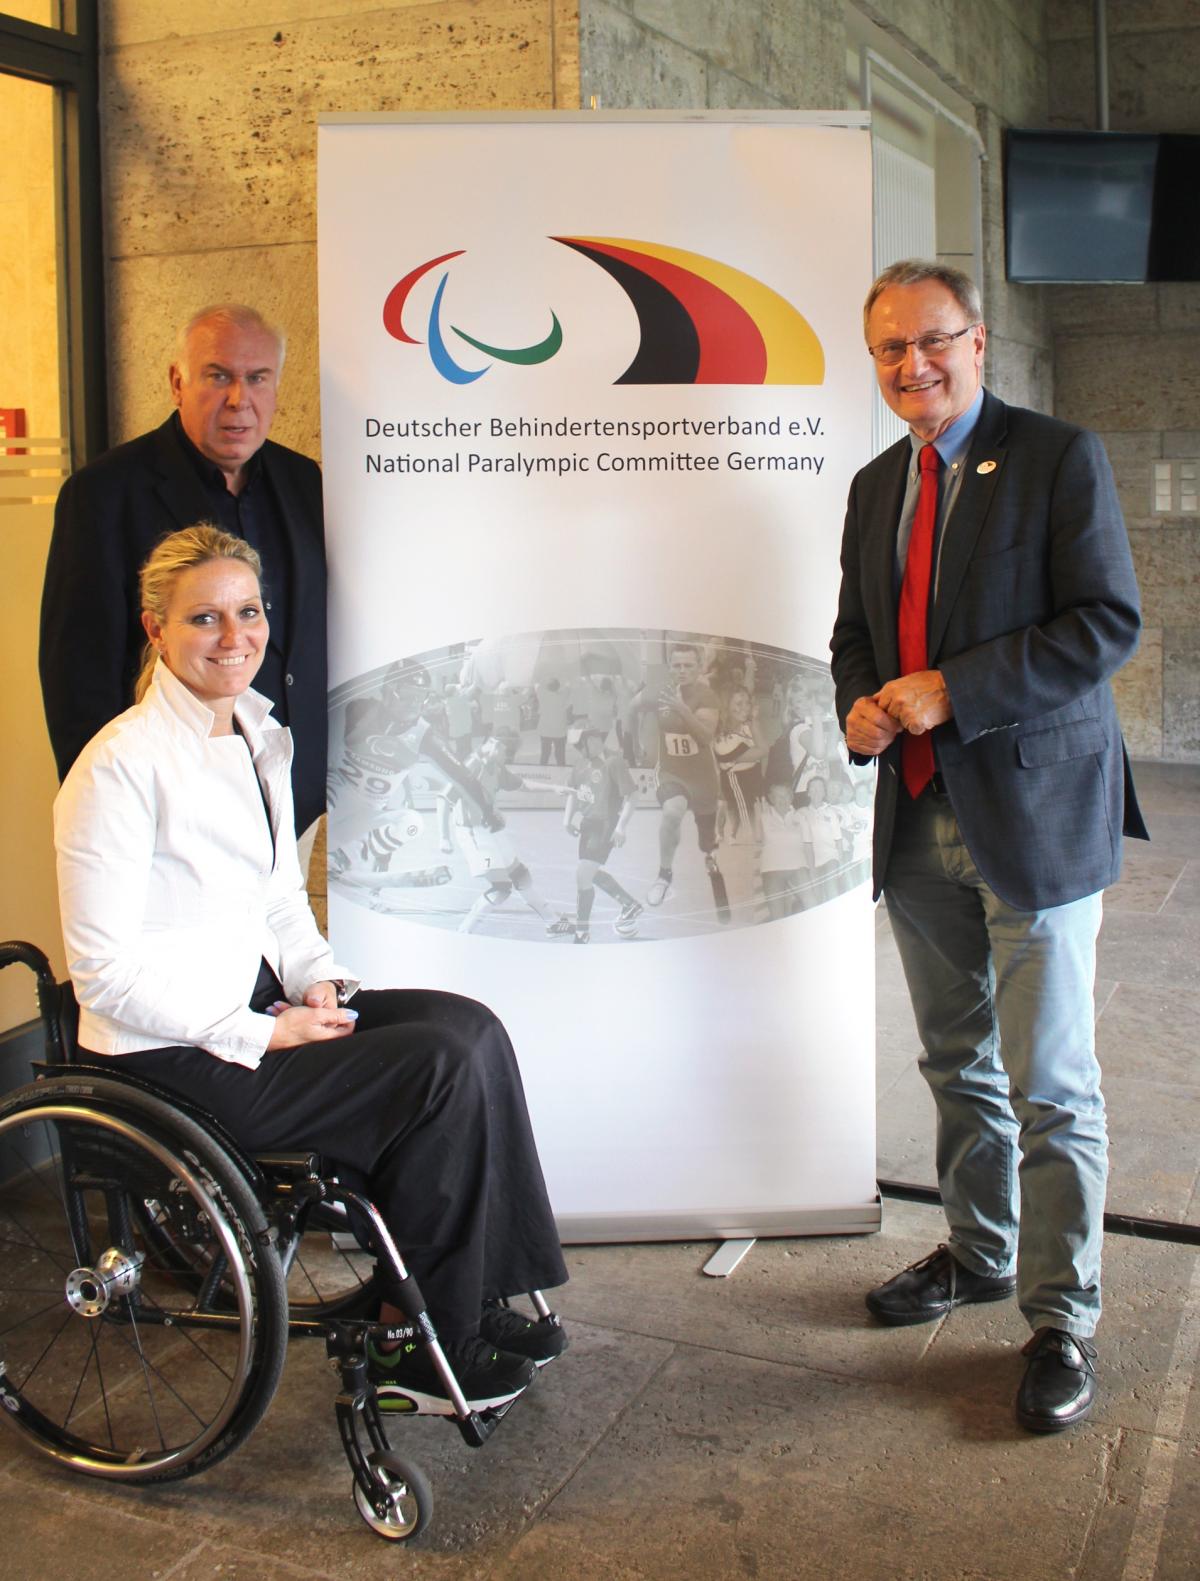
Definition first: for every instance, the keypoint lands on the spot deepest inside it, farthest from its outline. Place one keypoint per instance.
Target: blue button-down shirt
(952, 447)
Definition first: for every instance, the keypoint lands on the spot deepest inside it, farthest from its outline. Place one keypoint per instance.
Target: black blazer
(1036, 607)
(108, 517)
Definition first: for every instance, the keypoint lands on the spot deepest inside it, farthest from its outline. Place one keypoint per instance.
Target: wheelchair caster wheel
(404, 1495)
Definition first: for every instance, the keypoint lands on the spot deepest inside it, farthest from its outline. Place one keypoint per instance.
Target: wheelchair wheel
(141, 1357)
(406, 1499)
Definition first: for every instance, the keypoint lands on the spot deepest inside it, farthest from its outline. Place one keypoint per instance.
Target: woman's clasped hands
(318, 1019)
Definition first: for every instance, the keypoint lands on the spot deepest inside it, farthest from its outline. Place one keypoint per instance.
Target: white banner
(592, 392)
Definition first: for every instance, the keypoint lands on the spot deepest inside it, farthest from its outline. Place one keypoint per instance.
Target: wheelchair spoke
(326, 1279)
(308, 1278)
(181, 1331)
(162, 1439)
(150, 1366)
(345, 1278)
(49, 1345)
(89, 1356)
(112, 1440)
(33, 1244)
(32, 1317)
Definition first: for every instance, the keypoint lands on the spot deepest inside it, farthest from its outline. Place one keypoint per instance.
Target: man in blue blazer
(210, 461)
(987, 598)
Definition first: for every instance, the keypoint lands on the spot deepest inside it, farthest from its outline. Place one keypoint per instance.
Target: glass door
(34, 452)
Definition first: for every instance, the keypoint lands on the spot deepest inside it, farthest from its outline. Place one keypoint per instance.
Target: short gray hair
(236, 314)
(915, 271)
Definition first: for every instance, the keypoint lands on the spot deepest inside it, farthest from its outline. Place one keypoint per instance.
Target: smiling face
(927, 393)
(214, 632)
(227, 397)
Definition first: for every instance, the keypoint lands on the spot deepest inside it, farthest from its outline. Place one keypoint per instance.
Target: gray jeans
(1004, 1005)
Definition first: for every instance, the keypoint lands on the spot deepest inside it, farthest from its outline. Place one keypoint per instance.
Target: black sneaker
(541, 1340)
(406, 1381)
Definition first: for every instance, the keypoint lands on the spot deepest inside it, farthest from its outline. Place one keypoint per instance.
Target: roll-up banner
(592, 391)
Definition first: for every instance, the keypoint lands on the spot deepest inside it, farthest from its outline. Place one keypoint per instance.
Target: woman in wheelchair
(197, 964)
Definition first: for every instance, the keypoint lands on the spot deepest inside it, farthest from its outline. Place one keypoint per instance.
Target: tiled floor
(759, 1426)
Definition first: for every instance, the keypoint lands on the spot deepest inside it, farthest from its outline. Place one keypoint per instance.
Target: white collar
(170, 696)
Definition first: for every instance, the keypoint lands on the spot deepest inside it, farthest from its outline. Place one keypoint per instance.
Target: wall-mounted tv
(1101, 206)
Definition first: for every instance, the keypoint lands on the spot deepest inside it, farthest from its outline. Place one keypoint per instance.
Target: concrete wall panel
(1167, 560)
(1132, 454)
(1181, 695)
(727, 35)
(1133, 381)
(1075, 19)
(1139, 689)
(1152, 80)
(804, 53)
(727, 92)
(628, 66)
(185, 163)
(1018, 371)
(1102, 309)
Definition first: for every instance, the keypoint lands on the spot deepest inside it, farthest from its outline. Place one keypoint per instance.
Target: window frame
(69, 62)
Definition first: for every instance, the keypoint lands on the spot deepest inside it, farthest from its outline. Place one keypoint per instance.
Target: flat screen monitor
(1102, 206)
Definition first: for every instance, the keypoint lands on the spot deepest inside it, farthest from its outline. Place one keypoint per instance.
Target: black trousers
(425, 1101)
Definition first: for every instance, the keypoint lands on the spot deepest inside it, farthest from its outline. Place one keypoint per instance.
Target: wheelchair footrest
(479, 1426)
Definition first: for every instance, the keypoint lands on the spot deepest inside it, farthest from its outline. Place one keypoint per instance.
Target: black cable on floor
(1114, 1223)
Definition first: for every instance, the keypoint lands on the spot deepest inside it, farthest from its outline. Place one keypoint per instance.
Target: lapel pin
(985, 467)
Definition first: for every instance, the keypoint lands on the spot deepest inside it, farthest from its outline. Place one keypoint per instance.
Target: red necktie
(916, 752)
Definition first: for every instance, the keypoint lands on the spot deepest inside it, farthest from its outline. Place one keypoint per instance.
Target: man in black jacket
(210, 461)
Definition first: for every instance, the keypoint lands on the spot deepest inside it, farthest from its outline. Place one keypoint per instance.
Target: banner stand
(593, 390)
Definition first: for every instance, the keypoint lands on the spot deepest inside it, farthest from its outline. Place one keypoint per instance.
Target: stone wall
(210, 153)
(1127, 358)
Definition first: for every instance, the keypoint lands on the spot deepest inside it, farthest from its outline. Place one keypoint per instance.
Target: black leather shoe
(1059, 1387)
(929, 1288)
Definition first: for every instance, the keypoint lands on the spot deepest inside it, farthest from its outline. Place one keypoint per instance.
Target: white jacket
(170, 889)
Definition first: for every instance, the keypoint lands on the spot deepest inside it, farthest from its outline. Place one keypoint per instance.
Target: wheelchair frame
(186, 1302)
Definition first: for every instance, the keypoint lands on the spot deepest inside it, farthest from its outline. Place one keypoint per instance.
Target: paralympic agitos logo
(700, 321)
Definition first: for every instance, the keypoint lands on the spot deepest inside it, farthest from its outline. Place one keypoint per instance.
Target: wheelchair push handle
(18, 952)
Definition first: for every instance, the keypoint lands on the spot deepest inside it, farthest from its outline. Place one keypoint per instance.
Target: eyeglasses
(890, 352)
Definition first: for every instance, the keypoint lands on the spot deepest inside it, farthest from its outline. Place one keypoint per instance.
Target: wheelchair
(152, 1272)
